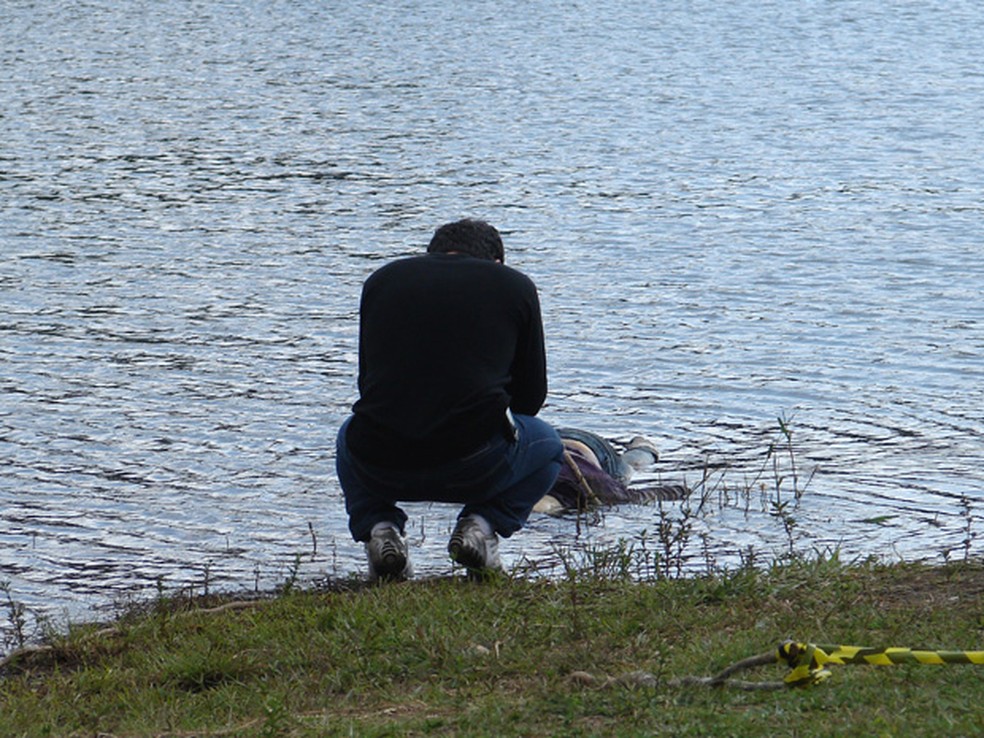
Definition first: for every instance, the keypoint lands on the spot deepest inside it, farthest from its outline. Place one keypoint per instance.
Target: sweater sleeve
(528, 386)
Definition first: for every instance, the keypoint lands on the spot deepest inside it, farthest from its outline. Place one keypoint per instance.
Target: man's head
(472, 237)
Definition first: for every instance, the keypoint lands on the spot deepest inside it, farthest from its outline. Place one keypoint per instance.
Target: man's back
(447, 342)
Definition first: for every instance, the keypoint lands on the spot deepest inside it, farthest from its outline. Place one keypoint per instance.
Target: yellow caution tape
(808, 661)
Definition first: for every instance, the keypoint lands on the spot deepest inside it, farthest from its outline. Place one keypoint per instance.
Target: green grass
(511, 657)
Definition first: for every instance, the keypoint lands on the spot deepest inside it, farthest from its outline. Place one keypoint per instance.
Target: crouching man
(452, 371)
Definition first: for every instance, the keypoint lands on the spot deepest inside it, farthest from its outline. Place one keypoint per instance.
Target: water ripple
(735, 213)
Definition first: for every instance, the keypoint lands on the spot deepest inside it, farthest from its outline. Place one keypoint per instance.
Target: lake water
(735, 212)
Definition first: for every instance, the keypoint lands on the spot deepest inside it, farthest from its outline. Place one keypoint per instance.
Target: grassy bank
(591, 654)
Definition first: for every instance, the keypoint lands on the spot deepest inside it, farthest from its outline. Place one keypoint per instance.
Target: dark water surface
(735, 212)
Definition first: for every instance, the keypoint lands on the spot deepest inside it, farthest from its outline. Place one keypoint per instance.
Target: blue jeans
(501, 481)
(610, 459)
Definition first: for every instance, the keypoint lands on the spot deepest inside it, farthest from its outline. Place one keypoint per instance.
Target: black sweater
(446, 343)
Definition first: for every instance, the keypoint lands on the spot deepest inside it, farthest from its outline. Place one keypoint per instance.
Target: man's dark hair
(473, 237)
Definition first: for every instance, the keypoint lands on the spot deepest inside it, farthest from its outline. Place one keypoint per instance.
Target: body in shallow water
(596, 474)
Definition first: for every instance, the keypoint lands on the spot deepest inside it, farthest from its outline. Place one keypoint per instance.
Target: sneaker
(640, 453)
(388, 557)
(473, 548)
